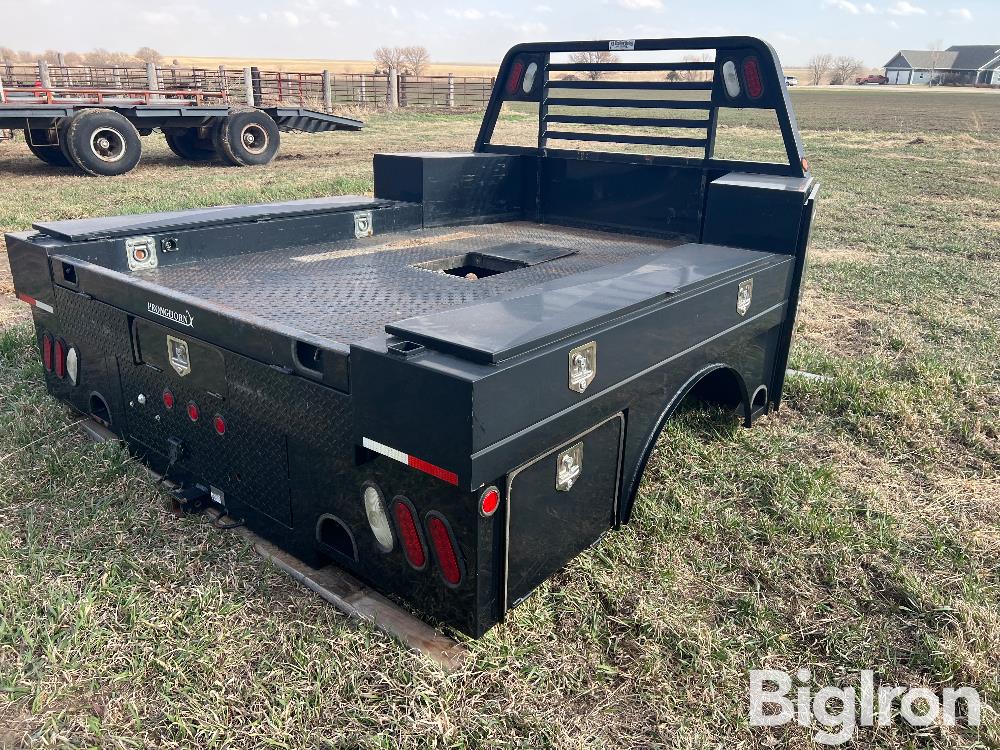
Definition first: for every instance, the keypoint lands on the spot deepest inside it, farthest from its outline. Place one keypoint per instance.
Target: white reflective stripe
(385, 450)
(43, 306)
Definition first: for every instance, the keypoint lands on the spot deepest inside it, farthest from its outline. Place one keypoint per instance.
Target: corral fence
(261, 87)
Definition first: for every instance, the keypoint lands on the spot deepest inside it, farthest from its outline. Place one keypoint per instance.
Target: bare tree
(936, 55)
(599, 57)
(7, 55)
(389, 57)
(50, 56)
(819, 66)
(148, 55)
(845, 68)
(416, 59)
(697, 75)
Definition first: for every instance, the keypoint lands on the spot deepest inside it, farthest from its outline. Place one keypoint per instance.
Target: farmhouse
(965, 65)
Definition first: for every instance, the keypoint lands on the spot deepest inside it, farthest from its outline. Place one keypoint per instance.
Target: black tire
(50, 153)
(102, 142)
(247, 137)
(187, 145)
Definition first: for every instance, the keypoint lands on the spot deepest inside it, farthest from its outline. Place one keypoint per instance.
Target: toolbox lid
(76, 230)
(494, 331)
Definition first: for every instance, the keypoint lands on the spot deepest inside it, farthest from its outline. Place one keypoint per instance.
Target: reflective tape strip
(412, 461)
(35, 303)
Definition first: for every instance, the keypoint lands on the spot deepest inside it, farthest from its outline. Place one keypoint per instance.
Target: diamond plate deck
(348, 291)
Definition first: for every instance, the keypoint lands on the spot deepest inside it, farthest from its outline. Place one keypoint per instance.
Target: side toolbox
(559, 504)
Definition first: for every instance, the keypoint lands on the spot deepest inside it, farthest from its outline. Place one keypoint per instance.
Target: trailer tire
(102, 142)
(50, 153)
(186, 143)
(247, 137)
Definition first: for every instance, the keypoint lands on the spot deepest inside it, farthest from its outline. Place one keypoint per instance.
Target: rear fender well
(739, 396)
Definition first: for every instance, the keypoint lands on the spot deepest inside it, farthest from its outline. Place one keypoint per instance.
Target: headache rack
(744, 73)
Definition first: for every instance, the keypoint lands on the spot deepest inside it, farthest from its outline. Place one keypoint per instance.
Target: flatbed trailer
(98, 131)
(452, 388)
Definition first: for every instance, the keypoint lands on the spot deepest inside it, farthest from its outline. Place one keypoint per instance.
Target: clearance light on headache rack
(219, 424)
(193, 412)
(168, 398)
(751, 74)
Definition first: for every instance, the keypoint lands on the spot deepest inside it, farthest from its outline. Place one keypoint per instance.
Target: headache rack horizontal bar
(642, 122)
(645, 140)
(622, 67)
(634, 85)
(627, 103)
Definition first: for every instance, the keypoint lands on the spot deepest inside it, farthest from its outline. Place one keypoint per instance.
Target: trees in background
(95, 57)
(411, 60)
(845, 68)
(599, 57)
(819, 66)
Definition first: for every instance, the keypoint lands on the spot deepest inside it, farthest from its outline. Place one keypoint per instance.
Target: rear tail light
(377, 517)
(60, 359)
(409, 533)
(47, 352)
(445, 551)
(751, 74)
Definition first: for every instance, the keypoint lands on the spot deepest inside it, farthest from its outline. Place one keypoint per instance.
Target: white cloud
(243, 19)
(394, 10)
(854, 9)
(465, 14)
(962, 14)
(904, 8)
(641, 4)
(787, 38)
(159, 18)
(290, 18)
(542, 9)
(329, 21)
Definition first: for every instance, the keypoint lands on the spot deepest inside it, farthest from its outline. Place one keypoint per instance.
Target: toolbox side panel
(549, 524)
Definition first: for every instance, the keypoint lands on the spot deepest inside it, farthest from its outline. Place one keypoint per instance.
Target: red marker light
(168, 399)
(193, 411)
(444, 549)
(220, 424)
(409, 533)
(47, 352)
(60, 356)
(489, 502)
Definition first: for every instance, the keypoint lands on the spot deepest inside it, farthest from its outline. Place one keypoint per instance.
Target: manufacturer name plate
(621, 45)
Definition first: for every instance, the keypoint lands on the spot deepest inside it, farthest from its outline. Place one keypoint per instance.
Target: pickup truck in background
(452, 388)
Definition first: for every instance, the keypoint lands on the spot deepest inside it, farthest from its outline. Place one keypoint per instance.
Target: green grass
(856, 529)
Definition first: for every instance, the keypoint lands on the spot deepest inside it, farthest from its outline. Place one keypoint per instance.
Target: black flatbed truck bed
(452, 388)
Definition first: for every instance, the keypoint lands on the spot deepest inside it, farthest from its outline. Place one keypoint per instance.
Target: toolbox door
(560, 504)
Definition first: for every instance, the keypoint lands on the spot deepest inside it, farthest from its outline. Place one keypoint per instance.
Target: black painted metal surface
(433, 362)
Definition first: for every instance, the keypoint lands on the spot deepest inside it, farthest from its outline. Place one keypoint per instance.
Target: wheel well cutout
(721, 387)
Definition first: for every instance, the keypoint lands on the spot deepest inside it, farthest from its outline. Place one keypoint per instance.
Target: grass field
(857, 529)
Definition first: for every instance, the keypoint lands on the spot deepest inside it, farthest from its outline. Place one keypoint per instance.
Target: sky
(481, 30)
